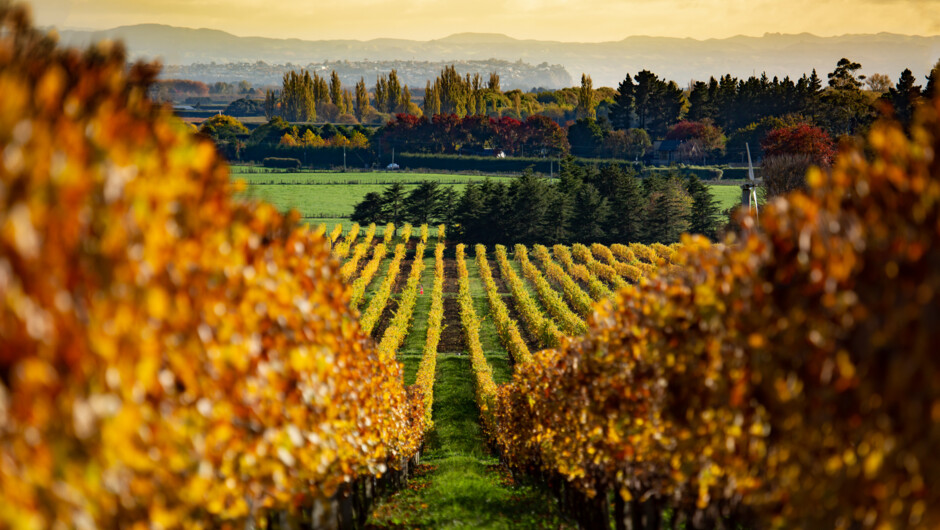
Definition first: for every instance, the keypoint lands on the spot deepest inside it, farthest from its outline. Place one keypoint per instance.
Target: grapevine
(368, 272)
(425, 377)
(370, 317)
(334, 235)
(579, 300)
(484, 386)
(398, 328)
(172, 356)
(630, 272)
(507, 328)
(601, 270)
(597, 289)
(538, 326)
(570, 322)
(342, 250)
(779, 380)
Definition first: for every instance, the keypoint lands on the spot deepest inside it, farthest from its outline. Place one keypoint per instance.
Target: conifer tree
(627, 213)
(589, 212)
(904, 97)
(705, 213)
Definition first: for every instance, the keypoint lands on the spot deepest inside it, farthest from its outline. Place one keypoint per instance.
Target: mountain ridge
(676, 58)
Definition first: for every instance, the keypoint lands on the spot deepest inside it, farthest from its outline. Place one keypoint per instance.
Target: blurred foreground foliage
(786, 378)
(167, 355)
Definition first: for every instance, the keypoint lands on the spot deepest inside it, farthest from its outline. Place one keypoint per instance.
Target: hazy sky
(564, 20)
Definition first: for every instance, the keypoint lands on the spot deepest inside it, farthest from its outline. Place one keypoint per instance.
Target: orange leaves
(170, 355)
(792, 370)
(554, 304)
(538, 326)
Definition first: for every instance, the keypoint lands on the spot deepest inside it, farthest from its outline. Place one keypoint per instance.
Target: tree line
(709, 122)
(587, 204)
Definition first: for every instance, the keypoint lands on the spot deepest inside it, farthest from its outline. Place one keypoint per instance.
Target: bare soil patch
(452, 335)
(403, 272)
(450, 276)
(387, 315)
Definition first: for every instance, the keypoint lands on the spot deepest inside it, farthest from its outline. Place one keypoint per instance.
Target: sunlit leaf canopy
(167, 354)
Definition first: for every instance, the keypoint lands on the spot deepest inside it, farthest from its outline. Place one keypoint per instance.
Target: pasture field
(330, 197)
(728, 195)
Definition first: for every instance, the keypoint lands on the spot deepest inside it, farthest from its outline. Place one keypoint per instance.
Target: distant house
(666, 151)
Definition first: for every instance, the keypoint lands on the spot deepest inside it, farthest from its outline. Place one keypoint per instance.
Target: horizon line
(739, 35)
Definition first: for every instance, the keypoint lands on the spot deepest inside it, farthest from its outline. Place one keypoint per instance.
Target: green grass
(318, 201)
(460, 482)
(728, 196)
(254, 176)
(289, 191)
(418, 334)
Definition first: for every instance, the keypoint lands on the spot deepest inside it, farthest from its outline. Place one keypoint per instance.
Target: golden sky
(562, 20)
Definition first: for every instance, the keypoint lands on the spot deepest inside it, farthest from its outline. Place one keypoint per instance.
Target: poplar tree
(394, 93)
(321, 89)
(362, 99)
(347, 101)
(586, 98)
(270, 104)
(405, 106)
(297, 97)
(381, 94)
(432, 100)
(336, 89)
(494, 82)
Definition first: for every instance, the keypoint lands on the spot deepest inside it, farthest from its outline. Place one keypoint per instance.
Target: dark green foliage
(668, 209)
(658, 103)
(903, 97)
(282, 163)
(423, 204)
(589, 214)
(393, 204)
(626, 216)
(845, 109)
(585, 137)
(530, 215)
(623, 111)
(245, 107)
(705, 213)
(930, 89)
(271, 132)
(369, 210)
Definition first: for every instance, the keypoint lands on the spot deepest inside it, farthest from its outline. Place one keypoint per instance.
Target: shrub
(282, 163)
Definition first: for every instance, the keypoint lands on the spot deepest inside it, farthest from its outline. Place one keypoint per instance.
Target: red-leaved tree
(802, 139)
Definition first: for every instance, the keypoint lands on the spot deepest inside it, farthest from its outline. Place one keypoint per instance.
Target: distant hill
(607, 62)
